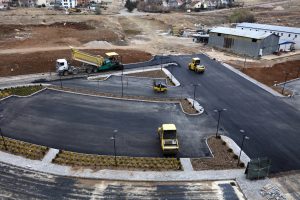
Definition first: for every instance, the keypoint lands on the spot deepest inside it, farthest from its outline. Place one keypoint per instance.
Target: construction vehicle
(90, 63)
(168, 139)
(195, 65)
(159, 86)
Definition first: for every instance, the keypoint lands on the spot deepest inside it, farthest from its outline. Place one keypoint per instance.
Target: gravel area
(223, 159)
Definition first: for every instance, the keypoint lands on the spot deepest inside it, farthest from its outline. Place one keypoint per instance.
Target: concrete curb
(105, 174)
(130, 71)
(236, 149)
(197, 106)
(171, 76)
(261, 85)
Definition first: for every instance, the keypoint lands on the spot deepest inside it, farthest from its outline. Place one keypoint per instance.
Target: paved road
(17, 183)
(86, 124)
(272, 125)
(294, 100)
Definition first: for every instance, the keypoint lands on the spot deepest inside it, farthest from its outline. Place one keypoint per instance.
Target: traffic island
(223, 157)
(119, 162)
(27, 150)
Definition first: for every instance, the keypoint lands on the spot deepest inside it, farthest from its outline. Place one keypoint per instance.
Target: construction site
(131, 105)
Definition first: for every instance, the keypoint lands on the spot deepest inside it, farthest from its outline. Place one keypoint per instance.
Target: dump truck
(90, 63)
(159, 86)
(168, 139)
(195, 65)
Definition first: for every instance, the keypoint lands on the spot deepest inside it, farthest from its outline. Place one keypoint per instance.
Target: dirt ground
(223, 159)
(39, 62)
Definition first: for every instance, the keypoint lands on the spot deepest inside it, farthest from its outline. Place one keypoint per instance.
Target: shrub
(130, 5)
(242, 165)
(224, 143)
(242, 15)
(235, 156)
(229, 150)
(98, 10)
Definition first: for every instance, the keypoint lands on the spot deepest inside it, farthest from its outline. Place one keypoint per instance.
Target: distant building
(253, 44)
(288, 35)
(69, 3)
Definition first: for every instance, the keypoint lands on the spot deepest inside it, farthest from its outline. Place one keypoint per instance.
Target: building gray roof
(270, 27)
(241, 33)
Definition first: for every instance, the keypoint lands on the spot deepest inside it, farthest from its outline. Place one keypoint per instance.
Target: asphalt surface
(272, 124)
(294, 100)
(85, 124)
(17, 183)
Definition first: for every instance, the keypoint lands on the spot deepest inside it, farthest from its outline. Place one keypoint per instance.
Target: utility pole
(285, 79)
(115, 151)
(219, 117)
(122, 82)
(244, 137)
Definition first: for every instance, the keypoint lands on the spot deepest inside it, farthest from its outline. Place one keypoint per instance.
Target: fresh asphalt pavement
(86, 124)
(272, 124)
(17, 183)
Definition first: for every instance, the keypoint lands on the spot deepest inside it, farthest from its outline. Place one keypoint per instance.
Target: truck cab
(63, 68)
(168, 139)
(195, 65)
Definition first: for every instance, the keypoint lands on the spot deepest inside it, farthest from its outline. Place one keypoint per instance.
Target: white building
(288, 35)
(69, 3)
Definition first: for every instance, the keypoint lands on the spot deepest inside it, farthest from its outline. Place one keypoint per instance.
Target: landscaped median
(119, 162)
(28, 150)
(20, 91)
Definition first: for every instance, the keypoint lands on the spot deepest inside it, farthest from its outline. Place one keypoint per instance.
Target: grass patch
(28, 150)
(20, 91)
(123, 162)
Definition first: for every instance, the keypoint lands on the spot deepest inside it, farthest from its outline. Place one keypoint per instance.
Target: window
(296, 36)
(281, 34)
(289, 35)
(256, 30)
(228, 42)
(242, 28)
(219, 34)
(254, 40)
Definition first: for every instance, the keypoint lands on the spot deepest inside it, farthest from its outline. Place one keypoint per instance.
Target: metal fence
(258, 168)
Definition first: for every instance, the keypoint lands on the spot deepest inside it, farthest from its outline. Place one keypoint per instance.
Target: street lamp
(285, 79)
(244, 137)
(4, 144)
(122, 81)
(219, 117)
(115, 152)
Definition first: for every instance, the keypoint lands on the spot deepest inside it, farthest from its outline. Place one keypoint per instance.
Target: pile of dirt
(276, 73)
(41, 62)
(223, 157)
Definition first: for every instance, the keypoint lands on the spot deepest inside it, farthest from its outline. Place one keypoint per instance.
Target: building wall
(69, 3)
(244, 46)
(286, 36)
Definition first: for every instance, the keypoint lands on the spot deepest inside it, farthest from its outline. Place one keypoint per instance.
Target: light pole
(115, 151)
(285, 79)
(219, 117)
(60, 81)
(4, 144)
(122, 82)
(244, 137)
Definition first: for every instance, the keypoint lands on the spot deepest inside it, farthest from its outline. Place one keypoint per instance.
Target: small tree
(98, 10)
(130, 5)
(241, 15)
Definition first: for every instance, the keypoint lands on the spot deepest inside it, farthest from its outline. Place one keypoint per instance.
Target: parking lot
(86, 124)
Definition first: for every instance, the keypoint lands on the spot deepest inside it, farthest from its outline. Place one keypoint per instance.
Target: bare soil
(276, 73)
(188, 107)
(223, 159)
(40, 62)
